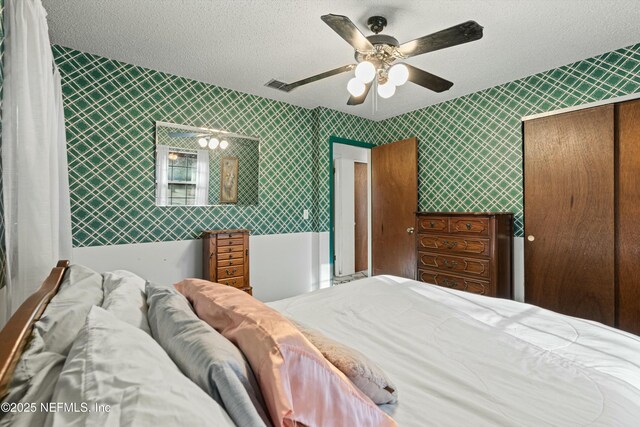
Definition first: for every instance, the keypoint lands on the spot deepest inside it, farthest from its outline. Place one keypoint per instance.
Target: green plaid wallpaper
(470, 148)
(245, 150)
(110, 111)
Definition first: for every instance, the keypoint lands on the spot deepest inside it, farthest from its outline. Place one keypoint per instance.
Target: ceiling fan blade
(428, 80)
(357, 100)
(185, 134)
(288, 87)
(459, 34)
(348, 31)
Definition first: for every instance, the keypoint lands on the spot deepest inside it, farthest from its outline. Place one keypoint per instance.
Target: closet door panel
(628, 251)
(569, 213)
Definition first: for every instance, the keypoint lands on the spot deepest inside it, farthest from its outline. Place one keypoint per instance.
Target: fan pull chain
(374, 103)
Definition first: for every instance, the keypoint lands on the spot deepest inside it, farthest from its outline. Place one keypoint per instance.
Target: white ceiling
(243, 44)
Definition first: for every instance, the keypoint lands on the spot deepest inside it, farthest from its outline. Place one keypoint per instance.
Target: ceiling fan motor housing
(384, 53)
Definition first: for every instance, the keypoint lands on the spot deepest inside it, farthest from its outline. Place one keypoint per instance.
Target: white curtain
(34, 157)
(202, 178)
(162, 175)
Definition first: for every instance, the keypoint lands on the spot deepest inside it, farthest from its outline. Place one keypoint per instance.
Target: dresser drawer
(456, 282)
(454, 264)
(454, 244)
(227, 249)
(230, 262)
(236, 282)
(230, 255)
(224, 236)
(230, 271)
(469, 225)
(230, 242)
(433, 224)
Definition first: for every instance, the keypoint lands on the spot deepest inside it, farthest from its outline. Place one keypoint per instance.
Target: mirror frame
(206, 129)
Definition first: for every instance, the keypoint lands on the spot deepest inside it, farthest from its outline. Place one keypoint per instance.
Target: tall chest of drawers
(468, 251)
(226, 258)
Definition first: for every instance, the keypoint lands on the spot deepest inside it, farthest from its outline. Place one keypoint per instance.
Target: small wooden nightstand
(226, 258)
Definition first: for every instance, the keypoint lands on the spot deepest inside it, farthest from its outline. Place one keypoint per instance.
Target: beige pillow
(362, 372)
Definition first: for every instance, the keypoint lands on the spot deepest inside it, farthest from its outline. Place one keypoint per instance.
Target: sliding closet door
(628, 253)
(569, 213)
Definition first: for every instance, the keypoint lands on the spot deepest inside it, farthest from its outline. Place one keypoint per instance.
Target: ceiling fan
(376, 54)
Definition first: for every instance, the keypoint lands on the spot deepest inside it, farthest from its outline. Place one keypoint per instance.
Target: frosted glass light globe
(399, 74)
(387, 90)
(224, 144)
(355, 87)
(365, 71)
(213, 143)
(203, 142)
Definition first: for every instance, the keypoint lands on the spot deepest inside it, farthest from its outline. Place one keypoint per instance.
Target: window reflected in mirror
(203, 166)
(182, 178)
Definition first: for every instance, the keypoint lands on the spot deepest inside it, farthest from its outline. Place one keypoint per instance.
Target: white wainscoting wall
(282, 265)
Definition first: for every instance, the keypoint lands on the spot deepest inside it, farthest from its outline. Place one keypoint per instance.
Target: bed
(455, 358)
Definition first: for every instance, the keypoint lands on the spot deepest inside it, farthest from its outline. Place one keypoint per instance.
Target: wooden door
(394, 202)
(361, 217)
(628, 206)
(569, 213)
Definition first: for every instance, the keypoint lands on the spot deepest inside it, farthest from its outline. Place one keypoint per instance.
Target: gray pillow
(33, 381)
(124, 297)
(113, 364)
(63, 318)
(205, 356)
(39, 366)
(362, 372)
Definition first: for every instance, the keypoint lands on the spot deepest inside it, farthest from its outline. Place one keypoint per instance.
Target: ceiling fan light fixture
(203, 142)
(386, 90)
(365, 72)
(213, 143)
(224, 144)
(355, 87)
(398, 74)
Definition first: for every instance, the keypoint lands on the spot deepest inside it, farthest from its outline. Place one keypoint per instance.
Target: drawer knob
(449, 244)
(531, 238)
(450, 283)
(468, 225)
(410, 230)
(450, 264)
(432, 224)
(229, 273)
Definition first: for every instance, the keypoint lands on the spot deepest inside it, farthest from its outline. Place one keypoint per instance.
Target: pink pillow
(298, 384)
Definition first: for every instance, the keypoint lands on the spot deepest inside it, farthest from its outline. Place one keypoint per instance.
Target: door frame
(338, 140)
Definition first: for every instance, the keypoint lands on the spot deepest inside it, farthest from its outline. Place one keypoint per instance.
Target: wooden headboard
(17, 332)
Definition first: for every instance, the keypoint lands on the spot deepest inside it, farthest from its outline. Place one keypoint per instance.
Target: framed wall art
(229, 180)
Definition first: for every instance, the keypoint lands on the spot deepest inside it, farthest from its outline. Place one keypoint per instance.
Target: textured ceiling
(243, 44)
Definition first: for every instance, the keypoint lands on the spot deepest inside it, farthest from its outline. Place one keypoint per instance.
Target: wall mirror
(205, 166)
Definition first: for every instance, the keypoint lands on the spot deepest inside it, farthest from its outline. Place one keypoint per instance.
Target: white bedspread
(460, 359)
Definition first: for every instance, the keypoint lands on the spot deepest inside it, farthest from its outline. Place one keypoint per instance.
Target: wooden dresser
(469, 251)
(226, 258)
